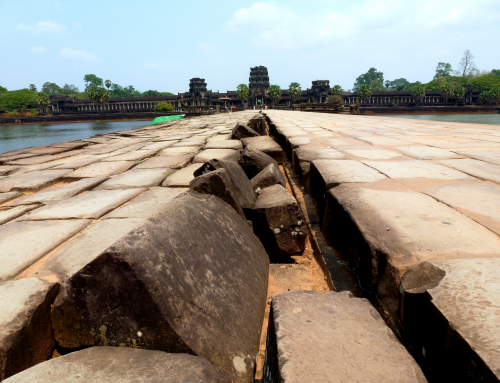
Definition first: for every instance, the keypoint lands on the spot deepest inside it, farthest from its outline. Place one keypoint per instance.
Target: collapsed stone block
(120, 364)
(334, 337)
(278, 221)
(271, 175)
(190, 278)
(242, 130)
(258, 123)
(26, 336)
(253, 161)
(267, 145)
(243, 188)
(219, 184)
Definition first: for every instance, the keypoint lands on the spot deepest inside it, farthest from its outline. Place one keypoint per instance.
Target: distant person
(254, 107)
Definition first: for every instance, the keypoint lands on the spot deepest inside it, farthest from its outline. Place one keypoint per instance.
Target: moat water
(20, 136)
(490, 119)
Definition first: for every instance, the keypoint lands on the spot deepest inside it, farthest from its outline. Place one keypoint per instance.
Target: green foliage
(18, 99)
(494, 94)
(484, 97)
(368, 78)
(33, 111)
(2, 89)
(443, 69)
(242, 91)
(365, 92)
(32, 87)
(377, 86)
(108, 84)
(294, 91)
(485, 83)
(337, 90)
(335, 98)
(51, 89)
(69, 90)
(397, 84)
(42, 99)
(164, 107)
(92, 80)
(274, 93)
(99, 94)
(447, 92)
(128, 91)
(155, 93)
(459, 93)
(418, 93)
(495, 72)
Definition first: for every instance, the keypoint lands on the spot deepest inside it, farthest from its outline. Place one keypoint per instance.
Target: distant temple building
(199, 96)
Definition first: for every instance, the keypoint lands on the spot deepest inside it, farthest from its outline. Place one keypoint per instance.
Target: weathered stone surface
(137, 155)
(5, 197)
(217, 154)
(203, 286)
(31, 181)
(15, 212)
(334, 337)
(170, 162)
(278, 221)
(183, 177)
(417, 169)
(92, 204)
(492, 156)
(307, 155)
(136, 178)
(158, 145)
(253, 161)
(242, 130)
(59, 193)
(217, 183)
(180, 151)
(385, 232)
(476, 168)
(244, 191)
(26, 335)
(258, 124)
(426, 152)
(78, 163)
(23, 243)
(271, 175)
(267, 145)
(374, 154)
(224, 144)
(124, 365)
(101, 169)
(7, 169)
(147, 203)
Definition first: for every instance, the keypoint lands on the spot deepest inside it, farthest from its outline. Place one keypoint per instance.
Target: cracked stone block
(253, 161)
(169, 162)
(24, 243)
(181, 178)
(278, 221)
(13, 213)
(180, 151)
(217, 154)
(334, 337)
(136, 178)
(124, 365)
(190, 278)
(242, 130)
(32, 181)
(137, 155)
(217, 183)
(101, 169)
(26, 337)
(90, 205)
(6, 197)
(224, 144)
(259, 124)
(267, 145)
(243, 188)
(271, 175)
(418, 169)
(7, 169)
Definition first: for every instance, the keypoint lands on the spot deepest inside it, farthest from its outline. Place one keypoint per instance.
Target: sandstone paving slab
(426, 152)
(243, 130)
(38, 159)
(334, 337)
(73, 163)
(70, 144)
(6, 169)
(270, 176)
(418, 169)
(15, 212)
(59, 193)
(5, 197)
(101, 169)
(136, 178)
(190, 279)
(26, 337)
(49, 150)
(147, 203)
(200, 142)
(137, 155)
(492, 156)
(224, 144)
(180, 151)
(124, 365)
(91, 204)
(476, 168)
(253, 161)
(23, 243)
(31, 181)
(183, 177)
(374, 154)
(479, 201)
(170, 162)
(217, 154)
(267, 145)
(403, 228)
(157, 146)
(385, 141)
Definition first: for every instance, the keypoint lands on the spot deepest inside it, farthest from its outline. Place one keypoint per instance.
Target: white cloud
(39, 49)
(42, 27)
(205, 47)
(74, 54)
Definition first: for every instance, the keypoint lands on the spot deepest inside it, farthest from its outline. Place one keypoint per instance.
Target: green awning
(157, 120)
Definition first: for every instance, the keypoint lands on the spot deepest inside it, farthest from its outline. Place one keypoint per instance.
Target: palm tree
(42, 100)
(274, 93)
(108, 84)
(294, 91)
(337, 90)
(459, 93)
(242, 92)
(447, 91)
(365, 92)
(418, 93)
(98, 94)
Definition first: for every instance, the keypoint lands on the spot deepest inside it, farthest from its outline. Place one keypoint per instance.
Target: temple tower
(197, 91)
(258, 85)
(319, 91)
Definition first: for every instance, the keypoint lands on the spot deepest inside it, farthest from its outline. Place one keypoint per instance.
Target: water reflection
(19, 136)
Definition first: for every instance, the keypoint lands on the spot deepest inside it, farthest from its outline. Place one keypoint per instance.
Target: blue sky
(160, 45)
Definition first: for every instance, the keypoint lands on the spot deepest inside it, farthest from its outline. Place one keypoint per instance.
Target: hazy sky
(162, 44)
